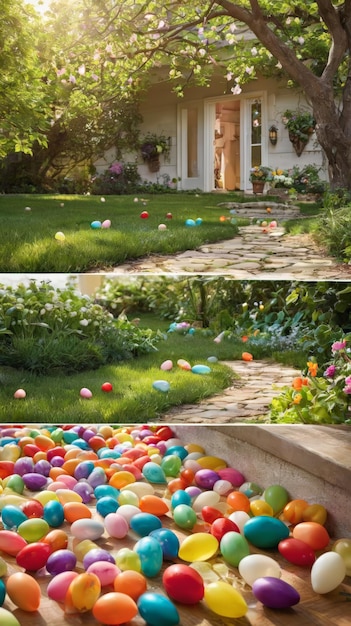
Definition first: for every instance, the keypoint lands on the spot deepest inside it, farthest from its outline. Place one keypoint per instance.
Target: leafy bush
(119, 178)
(43, 329)
(335, 224)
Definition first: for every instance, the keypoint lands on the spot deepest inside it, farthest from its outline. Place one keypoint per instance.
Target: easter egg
(87, 529)
(34, 556)
(183, 584)
(315, 513)
(19, 394)
(221, 526)
(2, 592)
(58, 585)
(150, 503)
(3, 568)
(206, 478)
(312, 533)
(96, 555)
(82, 593)
(114, 608)
(95, 224)
(223, 599)
(34, 481)
(59, 236)
(162, 227)
(184, 516)
(247, 356)
(102, 200)
(169, 216)
(57, 539)
(171, 465)
(161, 385)
(144, 215)
(106, 571)
(27, 208)
(130, 582)
(328, 572)
(11, 543)
(293, 511)
(238, 501)
(260, 507)
(180, 496)
(343, 547)
(53, 513)
(168, 541)
(144, 523)
(277, 496)
(275, 593)
(255, 566)
(198, 547)
(200, 369)
(127, 559)
(198, 221)
(151, 556)
(251, 489)
(297, 552)
(85, 393)
(106, 224)
(234, 547)
(8, 619)
(61, 561)
(24, 591)
(265, 532)
(166, 365)
(12, 516)
(154, 473)
(183, 364)
(233, 475)
(33, 529)
(190, 223)
(107, 387)
(157, 610)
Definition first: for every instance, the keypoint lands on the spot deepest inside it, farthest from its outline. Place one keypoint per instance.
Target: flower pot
(258, 186)
(298, 143)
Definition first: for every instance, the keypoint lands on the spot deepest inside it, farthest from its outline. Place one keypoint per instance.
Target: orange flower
(312, 368)
(246, 356)
(297, 398)
(299, 382)
(244, 338)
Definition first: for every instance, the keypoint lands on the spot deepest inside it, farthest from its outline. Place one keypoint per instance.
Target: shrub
(120, 178)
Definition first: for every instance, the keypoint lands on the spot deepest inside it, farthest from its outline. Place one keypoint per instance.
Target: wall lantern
(273, 135)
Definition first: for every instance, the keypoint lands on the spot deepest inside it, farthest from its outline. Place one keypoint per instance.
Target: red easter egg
(183, 584)
(106, 387)
(33, 556)
(144, 215)
(297, 552)
(221, 526)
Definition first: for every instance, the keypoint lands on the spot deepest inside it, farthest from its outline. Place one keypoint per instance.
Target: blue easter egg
(106, 490)
(201, 369)
(95, 224)
(151, 556)
(198, 221)
(177, 451)
(161, 385)
(180, 497)
(157, 610)
(2, 592)
(144, 523)
(212, 359)
(53, 513)
(106, 505)
(168, 541)
(12, 516)
(265, 532)
(190, 222)
(154, 473)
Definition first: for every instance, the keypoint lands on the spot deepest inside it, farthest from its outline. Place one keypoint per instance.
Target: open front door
(190, 153)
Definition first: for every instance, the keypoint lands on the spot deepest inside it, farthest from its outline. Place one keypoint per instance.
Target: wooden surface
(333, 609)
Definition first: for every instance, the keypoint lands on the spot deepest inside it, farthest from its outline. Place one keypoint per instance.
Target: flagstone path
(256, 253)
(245, 401)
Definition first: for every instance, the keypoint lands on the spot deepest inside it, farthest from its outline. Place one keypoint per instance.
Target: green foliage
(120, 178)
(334, 232)
(299, 123)
(318, 397)
(43, 330)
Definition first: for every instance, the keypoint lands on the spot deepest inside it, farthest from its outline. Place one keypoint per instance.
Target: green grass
(309, 221)
(27, 237)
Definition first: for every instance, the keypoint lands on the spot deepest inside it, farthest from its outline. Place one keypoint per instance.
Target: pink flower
(338, 345)
(347, 389)
(330, 371)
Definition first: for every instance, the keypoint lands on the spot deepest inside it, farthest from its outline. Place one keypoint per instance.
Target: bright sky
(40, 5)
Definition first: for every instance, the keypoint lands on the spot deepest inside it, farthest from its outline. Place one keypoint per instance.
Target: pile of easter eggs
(99, 512)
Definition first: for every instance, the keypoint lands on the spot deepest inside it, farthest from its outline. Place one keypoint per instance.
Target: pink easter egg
(106, 224)
(166, 365)
(19, 394)
(184, 365)
(58, 586)
(85, 393)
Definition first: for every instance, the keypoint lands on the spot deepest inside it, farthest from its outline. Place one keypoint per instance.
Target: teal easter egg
(179, 451)
(154, 473)
(144, 523)
(161, 385)
(157, 610)
(53, 513)
(190, 223)
(12, 516)
(234, 547)
(265, 532)
(184, 516)
(2, 592)
(198, 221)
(180, 497)
(95, 224)
(168, 541)
(200, 369)
(151, 555)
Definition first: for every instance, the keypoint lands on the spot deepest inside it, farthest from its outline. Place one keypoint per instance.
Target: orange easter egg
(246, 356)
(131, 583)
(115, 608)
(24, 591)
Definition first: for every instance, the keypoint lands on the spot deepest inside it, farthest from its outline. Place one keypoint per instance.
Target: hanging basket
(298, 143)
(258, 186)
(154, 164)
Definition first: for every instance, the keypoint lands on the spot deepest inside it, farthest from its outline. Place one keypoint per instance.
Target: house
(216, 136)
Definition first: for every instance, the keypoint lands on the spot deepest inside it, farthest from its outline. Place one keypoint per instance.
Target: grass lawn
(56, 397)
(30, 222)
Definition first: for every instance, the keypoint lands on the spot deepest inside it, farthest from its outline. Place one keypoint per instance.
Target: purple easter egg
(61, 561)
(275, 593)
(206, 478)
(34, 481)
(95, 555)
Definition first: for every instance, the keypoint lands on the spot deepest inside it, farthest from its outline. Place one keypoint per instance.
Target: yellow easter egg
(198, 547)
(224, 600)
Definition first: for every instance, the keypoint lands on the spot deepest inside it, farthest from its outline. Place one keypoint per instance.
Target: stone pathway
(246, 400)
(256, 253)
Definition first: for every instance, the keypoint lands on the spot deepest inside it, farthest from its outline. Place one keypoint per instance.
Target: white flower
(49, 306)
(236, 90)
(42, 311)
(84, 322)
(202, 52)
(301, 40)
(73, 314)
(249, 70)
(254, 51)
(229, 76)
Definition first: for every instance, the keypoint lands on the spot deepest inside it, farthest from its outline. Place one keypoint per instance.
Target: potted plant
(259, 175)
(151, 147)
(300, 125)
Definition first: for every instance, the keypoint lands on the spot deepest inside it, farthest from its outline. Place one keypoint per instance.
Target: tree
(307, 43)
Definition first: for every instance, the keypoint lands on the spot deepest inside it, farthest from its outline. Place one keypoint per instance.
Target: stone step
(311, 462)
